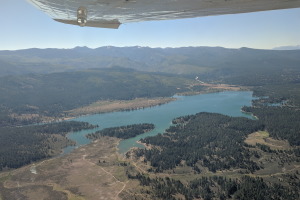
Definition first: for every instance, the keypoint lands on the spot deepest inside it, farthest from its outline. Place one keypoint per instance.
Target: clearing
(263, 137)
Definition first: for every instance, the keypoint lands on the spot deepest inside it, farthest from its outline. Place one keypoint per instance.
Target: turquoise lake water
(228, 103)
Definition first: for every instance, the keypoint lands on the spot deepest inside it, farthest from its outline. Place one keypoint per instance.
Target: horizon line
(288, 47)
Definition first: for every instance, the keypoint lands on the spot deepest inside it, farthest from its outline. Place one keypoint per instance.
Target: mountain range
(185, 60)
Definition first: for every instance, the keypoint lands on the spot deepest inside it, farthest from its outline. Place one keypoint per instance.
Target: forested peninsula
(123, 132)
(208, 156)
(23, 145)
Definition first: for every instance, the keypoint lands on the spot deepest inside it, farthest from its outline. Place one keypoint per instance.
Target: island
(123, 132)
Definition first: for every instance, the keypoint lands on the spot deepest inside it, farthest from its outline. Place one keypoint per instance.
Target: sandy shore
(140, 103)
(118, 105)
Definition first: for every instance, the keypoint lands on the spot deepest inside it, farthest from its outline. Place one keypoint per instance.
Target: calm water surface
(228, 103)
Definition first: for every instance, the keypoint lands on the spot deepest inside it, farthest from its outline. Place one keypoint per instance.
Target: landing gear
(81, 16)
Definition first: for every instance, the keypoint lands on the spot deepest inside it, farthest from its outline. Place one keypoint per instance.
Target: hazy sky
(23, 26)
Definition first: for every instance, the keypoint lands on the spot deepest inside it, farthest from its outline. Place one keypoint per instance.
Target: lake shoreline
(113, 106)
(108, 106)
(183, 105)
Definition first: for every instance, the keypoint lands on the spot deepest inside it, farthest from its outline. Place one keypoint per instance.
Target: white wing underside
(112, 13)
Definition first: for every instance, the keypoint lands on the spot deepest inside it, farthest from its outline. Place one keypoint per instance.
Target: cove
(227, 103)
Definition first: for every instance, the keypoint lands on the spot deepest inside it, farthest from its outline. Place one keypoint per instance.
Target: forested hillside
(52, 94)
(271, 73)
(213, 139)
(281, 122)
(215, 187)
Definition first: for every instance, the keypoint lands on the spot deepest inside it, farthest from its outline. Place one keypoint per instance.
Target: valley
(203, 142)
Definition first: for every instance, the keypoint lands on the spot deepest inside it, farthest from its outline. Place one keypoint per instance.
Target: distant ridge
(184, 60)
(287, 48)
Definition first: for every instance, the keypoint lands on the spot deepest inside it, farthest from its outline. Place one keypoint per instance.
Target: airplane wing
(112, 13)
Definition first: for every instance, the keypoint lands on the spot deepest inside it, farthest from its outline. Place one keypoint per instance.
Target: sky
(23, 26)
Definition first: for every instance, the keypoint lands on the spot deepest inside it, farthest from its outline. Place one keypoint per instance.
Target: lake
(228, 103)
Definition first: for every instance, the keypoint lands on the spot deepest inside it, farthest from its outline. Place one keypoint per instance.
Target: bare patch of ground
(275, 165)
(262, 137)
(221, 86)
(92, 172)
(211, 88)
